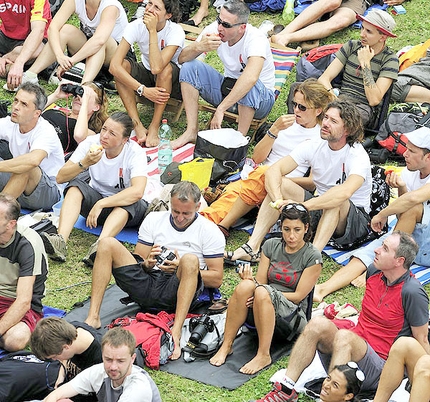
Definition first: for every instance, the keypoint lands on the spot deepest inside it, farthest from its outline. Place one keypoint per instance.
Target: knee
(17, 341)
(189, 265)
(165, 74)
(331, 5)
(245, 288)
(315, 328)
(422, 369)
(261, 295)
(343, 339)
(107, 245)
(74, 192)
(404, 346)
(339, 23)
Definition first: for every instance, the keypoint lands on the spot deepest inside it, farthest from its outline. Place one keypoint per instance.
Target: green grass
(69, 283)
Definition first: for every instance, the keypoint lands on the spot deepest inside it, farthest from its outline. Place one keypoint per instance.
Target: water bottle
(165, 152)
(288, 12)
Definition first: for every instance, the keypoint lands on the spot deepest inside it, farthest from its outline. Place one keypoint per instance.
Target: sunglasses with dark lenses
(102, 89)
(227, 25)
(358, 373)
(297, 207)
(301, 107)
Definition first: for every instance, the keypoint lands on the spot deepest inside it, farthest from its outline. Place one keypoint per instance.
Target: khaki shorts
(358, 6)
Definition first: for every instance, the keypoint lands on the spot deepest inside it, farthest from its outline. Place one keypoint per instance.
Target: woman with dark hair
(85, 116)
(288, 271)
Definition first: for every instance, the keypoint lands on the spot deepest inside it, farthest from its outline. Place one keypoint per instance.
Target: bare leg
(23, 183)
(69, 212)
(110, 254)
(347, 346)
(421, 382)
(128, 98)
(246, 114)
(188, 270)
(340, 279)
(16, 338)
(407, 220)
(405, 352)
(114, 223)
(190, 98)
(418, 94)
(264, 315)
(236, 316)
(360, 281)
(201, 13)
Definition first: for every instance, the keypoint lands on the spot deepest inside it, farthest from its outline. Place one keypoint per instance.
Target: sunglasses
(102, 89)
(227, 25)
(301, 107)
(358, 373)
(297, 207)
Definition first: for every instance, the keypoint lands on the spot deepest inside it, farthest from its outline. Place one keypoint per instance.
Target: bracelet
(271, 135)
(81, 165)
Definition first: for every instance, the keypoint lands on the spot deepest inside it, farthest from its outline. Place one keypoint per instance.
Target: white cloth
(330, 168)
(88, 26)
(171, 35)
(234, 58)
(202, 238)
(106, 174)
(414, 182)
(43, 136)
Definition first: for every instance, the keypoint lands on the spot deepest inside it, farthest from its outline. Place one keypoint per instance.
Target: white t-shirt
(171, 35)
(235, 58)
(288, 140)
(202, 238)
(330, 168)
(414, 182)
(137, 387)
(110, 176)
(43, 136)
(88, 27)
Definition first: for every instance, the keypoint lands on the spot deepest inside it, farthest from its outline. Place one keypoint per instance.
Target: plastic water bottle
(165, 152)
(288, 12)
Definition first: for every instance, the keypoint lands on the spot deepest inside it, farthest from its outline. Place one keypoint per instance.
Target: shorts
(358, 6)
(8, 44)
(371, 365)
(44, 196)
(154, 290)
(30, 318)
(136, 211)
(208, 82)
(402, 87)
(144, 76)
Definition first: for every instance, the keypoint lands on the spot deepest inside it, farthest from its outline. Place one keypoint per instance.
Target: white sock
(30, 74)
(288, 382)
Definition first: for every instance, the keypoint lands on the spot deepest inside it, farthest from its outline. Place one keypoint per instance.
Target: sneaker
(280, 393)
(140, 11)
(91, 255)
(25, 79)
(55, 246)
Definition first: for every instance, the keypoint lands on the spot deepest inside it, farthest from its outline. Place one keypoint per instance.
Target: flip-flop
(224, 231)
(190, 22)
(218, 306)
(255, 257)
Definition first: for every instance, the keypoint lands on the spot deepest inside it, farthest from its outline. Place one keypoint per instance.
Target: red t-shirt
(17, 16)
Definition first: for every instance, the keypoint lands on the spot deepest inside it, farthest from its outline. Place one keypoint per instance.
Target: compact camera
(165, 254)
(199, 327)
(73, 89)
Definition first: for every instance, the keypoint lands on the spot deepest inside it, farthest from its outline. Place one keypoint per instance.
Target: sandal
(225, 232)
(255, 257)
(218, 306)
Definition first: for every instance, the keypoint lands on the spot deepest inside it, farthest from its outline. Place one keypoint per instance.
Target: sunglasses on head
(227, 25)
(102, 89)
(358, 373)
(297, 207)
(301, 107)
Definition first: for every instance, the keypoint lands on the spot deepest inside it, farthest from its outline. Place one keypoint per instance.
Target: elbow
(216, 282)
(60, 179)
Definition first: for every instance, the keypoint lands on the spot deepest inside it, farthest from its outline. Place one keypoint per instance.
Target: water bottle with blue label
(165, 152)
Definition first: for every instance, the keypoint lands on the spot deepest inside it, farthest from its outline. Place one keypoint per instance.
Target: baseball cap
(381, 20)
(420, 137)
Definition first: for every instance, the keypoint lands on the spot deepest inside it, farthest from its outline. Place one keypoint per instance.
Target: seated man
(36, 149)
(23, 268)
(411, 207)
(77, 344)
(288, 131)
(113, 197)
(156, 77)
(342, 176)
(369, 66)
(405, 354)
(116, 378)
(170, 285)
(249, 72)
(394, 305)
(23, 33)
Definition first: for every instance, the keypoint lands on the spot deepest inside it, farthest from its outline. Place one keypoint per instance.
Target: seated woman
(101, 26)
(288, 271)
(310, 99)
(85, 117)
(113, 198)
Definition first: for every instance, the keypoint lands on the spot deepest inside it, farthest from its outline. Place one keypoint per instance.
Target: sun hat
(420, 137)
(381, 20)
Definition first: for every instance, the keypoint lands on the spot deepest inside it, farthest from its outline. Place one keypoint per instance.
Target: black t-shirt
(64, 126)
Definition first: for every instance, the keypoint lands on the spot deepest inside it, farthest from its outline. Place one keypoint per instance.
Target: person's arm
(65, 391)
(332, 71)
(374, 91)
(264, 146)
(336, 195)
(212, 277)
(23, 163)
(243, 85)
(208, 42)
(71, 169)
(128, 196)
(421, 335)
(306, 283)
(81, 130)
(273, 176)
(263, 268)
(22, 303)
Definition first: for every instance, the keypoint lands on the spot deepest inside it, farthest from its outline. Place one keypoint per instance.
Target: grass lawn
(70, 282)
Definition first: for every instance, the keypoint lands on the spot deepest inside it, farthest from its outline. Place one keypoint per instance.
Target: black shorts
(136, 211)
(154, 290)
(8, 44)
(145, 77)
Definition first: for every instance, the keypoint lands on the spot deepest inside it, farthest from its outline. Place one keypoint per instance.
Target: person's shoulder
(28, 236)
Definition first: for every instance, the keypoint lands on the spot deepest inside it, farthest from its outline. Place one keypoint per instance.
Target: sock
(30, 74)
(288, 382)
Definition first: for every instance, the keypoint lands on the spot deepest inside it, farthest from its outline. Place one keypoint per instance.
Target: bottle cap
(164, 121)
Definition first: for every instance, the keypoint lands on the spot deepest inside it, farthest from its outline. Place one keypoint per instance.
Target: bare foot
(219, 358)
(280, 39)
(256, 364)
(185, 138)
(94, 322)
(177, 350)
(141, 132)
(360, 281)
(199, 15)
(240, 254)
(152, 139)
(318, 295)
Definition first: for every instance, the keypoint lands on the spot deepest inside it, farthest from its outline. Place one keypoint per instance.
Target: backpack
(313, 63)
(413, 55)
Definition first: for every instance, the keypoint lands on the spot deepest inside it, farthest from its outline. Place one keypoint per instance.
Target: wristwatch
(140, 90)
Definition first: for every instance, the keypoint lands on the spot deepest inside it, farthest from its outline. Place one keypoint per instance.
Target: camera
(199, 327)
(73, 89)
(165, 254)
